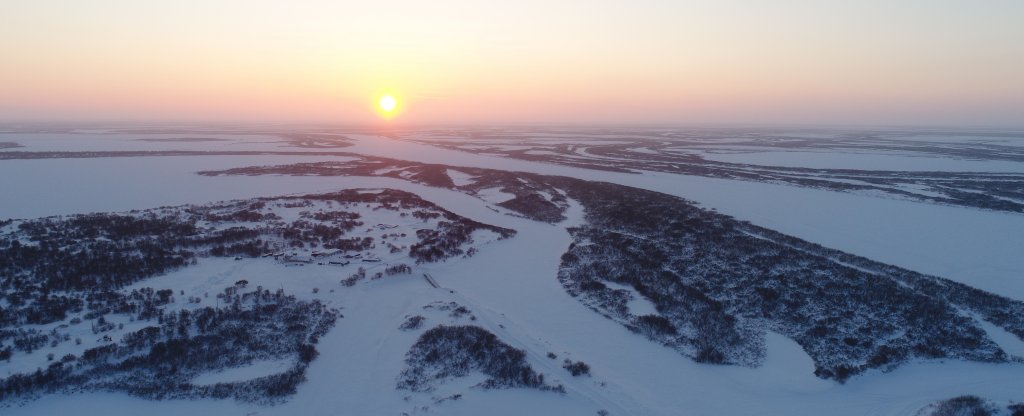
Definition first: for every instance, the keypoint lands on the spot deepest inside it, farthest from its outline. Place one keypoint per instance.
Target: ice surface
(864, 161)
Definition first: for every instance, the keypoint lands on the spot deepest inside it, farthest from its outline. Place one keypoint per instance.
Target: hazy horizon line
(395, 125)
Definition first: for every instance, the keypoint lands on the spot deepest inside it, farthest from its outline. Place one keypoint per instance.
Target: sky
(921, 62)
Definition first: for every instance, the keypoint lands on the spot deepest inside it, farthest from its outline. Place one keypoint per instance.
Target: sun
(387, 103)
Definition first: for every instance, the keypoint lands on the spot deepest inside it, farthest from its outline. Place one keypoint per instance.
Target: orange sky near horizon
(573, 61)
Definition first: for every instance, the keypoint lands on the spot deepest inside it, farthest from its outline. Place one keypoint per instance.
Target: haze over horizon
(664, 62)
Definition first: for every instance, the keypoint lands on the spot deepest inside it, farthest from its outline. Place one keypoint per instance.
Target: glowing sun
(387, 103)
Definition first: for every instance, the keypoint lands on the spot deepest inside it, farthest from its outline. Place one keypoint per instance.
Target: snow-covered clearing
(638, 304)
(460, 178)
(247, 372)
(1007, 341)
(494, 195)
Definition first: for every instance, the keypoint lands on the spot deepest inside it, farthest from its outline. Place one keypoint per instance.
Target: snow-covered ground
(246, 372)
(979, 248)
(44, 187)
(511, 289)
(113, 142)
(863, 161)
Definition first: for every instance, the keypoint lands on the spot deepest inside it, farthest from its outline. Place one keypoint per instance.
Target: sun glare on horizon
(387, 103)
